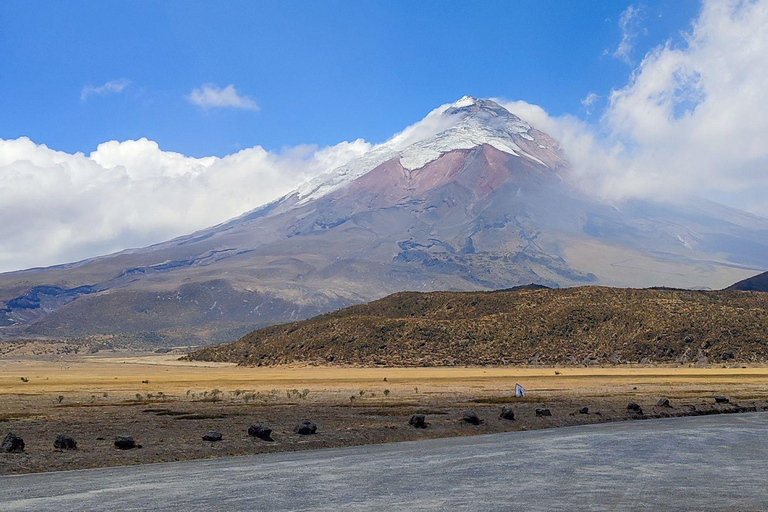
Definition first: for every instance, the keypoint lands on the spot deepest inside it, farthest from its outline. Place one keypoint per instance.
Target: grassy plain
(167, 405)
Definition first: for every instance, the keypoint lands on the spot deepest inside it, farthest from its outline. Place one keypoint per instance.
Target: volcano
(471, 198)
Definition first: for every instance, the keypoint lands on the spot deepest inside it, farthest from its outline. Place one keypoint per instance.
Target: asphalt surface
(699, 463)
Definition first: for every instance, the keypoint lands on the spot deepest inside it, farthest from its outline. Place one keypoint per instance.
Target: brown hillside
(586, 325)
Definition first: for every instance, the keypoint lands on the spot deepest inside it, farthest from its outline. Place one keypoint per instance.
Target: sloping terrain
(472, 198)
(758, 283)
(583, 325)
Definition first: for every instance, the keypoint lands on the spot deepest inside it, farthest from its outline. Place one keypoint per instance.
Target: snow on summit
(464, 124)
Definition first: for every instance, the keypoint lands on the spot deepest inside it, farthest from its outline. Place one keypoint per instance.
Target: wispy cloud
(589, 101)
(111, 87)
(629, 23)
(212, 96)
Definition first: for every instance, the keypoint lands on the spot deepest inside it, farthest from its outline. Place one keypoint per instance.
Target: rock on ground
(64, 442)
(305, 428)
(472, 418)
(261, 431)
(124, 442)
(584, 410)
(418, 421)
(543, 412)
(664, 402)
(507, 413)
(212, 436)
(12, 444)
(633, 407)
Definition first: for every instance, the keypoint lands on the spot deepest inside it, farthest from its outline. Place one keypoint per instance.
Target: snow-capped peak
(464, 124)
(465, 101)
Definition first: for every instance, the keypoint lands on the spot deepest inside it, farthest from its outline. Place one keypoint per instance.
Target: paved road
(703, 463)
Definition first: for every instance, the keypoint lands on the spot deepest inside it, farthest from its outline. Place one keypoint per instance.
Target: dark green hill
(585, 325)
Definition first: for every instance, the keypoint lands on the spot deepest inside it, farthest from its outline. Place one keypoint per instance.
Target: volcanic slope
(470, 198)
(758, 283)
(581, 325)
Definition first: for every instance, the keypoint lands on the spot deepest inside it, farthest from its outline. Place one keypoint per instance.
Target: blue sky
(320, 72)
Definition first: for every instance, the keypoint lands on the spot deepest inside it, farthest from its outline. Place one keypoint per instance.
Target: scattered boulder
(633, 407)
(124, 443)
(63, 442)
(663, 402)
(212, 436)
(721, 400)
(12, 444)
(261, 431)
(584, 410)
(418, 421)
(472, 418)
(543, 412)
(507, 413)
(305, 428)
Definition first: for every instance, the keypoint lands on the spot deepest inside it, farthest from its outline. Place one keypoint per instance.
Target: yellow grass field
(166, 373)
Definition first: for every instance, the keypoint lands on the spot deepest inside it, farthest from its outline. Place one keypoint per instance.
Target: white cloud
(58, 207)
(629, 23)
(213, 96)
(689, 122)
(111, 87)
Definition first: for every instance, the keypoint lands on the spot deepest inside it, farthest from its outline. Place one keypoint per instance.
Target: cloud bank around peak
(59, 207)
(690, 121)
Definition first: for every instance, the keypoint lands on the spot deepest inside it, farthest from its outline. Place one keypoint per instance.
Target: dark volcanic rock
(543, 412)
(663, 402)
(124, 442)
(418, 421)
(305, 428)
(584, 410)
(633, 407)
(261, 431)
(12, 444)
(472, 418)
(212, 436)
(721, 400)
(507, 413)
(63, 442)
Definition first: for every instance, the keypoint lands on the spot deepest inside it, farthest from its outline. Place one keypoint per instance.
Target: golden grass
(124, 376)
